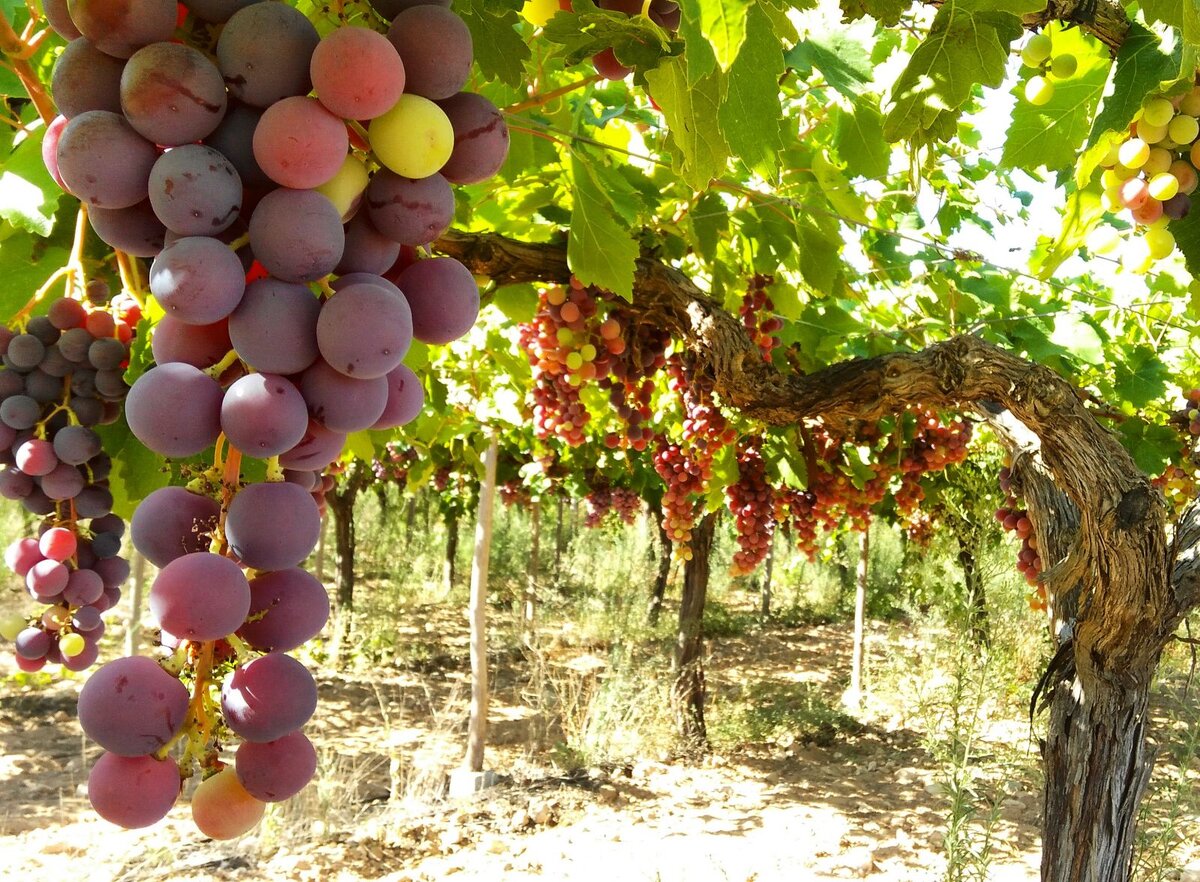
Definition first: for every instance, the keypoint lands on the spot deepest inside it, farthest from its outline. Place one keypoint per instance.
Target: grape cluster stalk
(283, 187)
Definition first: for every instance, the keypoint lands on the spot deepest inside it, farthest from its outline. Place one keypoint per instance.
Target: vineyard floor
(841, 801)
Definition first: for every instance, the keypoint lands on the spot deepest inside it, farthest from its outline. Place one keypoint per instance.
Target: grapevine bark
(1118, 590)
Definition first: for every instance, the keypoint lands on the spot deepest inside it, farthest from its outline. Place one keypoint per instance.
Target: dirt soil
(869, 803)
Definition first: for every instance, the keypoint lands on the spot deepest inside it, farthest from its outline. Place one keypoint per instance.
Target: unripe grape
(1183, 129)
(11, 625)
(1163, 186)
(1190, 103)
(588, 352)
(414, 139)
(1160, 242)
(1158, 162)
(345, 189)
(1158, 111)
(1134, 153)
(1149, 133)
(1039, 91)
(1064, 66)
(538, 12)
(1110, 200)
(1103, 240)
(70, 645)
(1037, 50)
(1185, 173)
(574, 361)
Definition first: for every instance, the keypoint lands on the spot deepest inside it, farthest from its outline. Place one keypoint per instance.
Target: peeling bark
(689, 691)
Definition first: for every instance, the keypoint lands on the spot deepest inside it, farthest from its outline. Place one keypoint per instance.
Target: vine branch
(16, 51)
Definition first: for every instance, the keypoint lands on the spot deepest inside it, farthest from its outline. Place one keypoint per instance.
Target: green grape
(1150, 133)
(345, 189)
(564, 336)
(1163, 186)
(1038, 91)
(574, 361)
(1103, 240)
(1134, 153)
(1183, 129)
(1158, 162)
(12, 625)
(1037, 50)
(414, 139)
(588, 352)
(1064, 66)
(1159, 241)
(1158, 111)
(70, 645)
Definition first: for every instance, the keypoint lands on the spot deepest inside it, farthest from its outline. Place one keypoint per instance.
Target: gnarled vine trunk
(689, 691)
(1117, 591)
(341, 504)
(659, 591)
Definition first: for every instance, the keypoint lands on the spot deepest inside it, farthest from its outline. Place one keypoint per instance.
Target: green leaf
(886, 12)
(839, 56)
(601, 250)
(1078, 337)
(750, 115)
(859, 140)
(1080, 216)
(517, 302)
(723, 23)
(1142, 377)
(966, 46)
(1152, 447)
(691, 111)
(499, 50)
(360, 445)
(635, 40)
(837, 189)
(1187, 238)
(1051, 134)
(1169, 12)
(137, 471)
(28, 195)
(710, 221)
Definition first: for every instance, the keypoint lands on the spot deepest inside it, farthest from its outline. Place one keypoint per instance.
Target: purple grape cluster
(62, 375)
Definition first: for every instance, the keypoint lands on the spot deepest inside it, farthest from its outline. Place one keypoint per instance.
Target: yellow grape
(414, 139)
(1038, 91)
(1110, 200)
(588, 352)
(1150, 133)
(1158, 111)
(1158, 162)
(1064, 66)
(345, 189)
(1190, 104)
(574, 361)
(1163, 186)
(1112, 157)
(1124, 173)
(221, 807)
(1136, 257)
(1159, 242)
(1037, 50)
(538, 12)
(1103, 240)
(1183, 129)
(1134, 153)
(12, 625)
(70, 645)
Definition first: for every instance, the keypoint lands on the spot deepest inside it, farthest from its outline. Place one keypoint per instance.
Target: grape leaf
(1169, 12)
(750, 114)
(1049, 135)
(839, 56)
(1187, 239)
(723, 23)
(886, 12)
(1142, 377)
(710, 221)
(836, 188)
(1152, 447)
(635, 40)
(691, 110)
(859, 141)
(28, 195)
(601, 250)
(966, 46)
(1080, 216)
(499, 49)
(1078, 337)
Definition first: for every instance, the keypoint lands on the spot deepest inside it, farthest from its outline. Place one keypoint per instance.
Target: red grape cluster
(752, 503)
(393, 467)
(567, 344)
(63, 374)
(513, 492)
(214, 168)
(755, 309)
(605, 499)
(934, 446)
(630, 385)
(1016, 520)
(686, 477)
(1178, 481)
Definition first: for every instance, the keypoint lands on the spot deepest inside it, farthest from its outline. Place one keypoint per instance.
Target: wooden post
(477, 610)
(529, 605)
(854, 697)
(133, 632)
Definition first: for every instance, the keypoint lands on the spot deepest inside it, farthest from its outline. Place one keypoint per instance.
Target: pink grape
(405, 398)
(364, 330)
(58, 543)
(357, 73)
(276, 770)
(443, 297)
(287, 609)
(299, 143)
(131, 706)
(133, 791)
(268, 697)
(200, 596)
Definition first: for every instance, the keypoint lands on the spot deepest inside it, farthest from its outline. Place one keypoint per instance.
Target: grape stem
(130, 278)
(17, 52)
(547, 97)
(73, 272)
(230, 359)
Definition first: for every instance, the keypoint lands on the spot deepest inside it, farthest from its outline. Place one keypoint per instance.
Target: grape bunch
(286, 271)
(751, 501)
(686, 477)
(513, 492)
(934, 446)
(1178, 481)
(394, 466)
(567, 344)
(62, 376)
(1039, 54)
(604, 499)
(1016, 520)
(1151, 173)
(755, 312)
